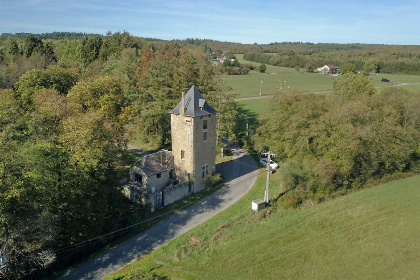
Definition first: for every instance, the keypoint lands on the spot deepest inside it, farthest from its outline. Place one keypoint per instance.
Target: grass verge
(369, 234)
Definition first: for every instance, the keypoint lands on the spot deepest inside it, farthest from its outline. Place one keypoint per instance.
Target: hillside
(371, 234)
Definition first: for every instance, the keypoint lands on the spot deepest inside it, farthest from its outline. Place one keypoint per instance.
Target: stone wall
(182, 134)
(198, 145)
(168, 195)
(173, 193)
(136, 193)
(204, 148)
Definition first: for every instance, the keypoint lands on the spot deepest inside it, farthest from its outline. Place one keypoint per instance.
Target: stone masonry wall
(173, 193)
(188, 136)
(204, 149)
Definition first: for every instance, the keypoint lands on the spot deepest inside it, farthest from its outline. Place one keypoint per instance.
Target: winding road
(241, 174)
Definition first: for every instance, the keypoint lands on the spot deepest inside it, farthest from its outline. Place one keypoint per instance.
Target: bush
(212, 180)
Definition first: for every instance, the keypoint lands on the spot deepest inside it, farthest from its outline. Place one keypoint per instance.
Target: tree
(54, 77)
(162, 76)
(90, 49)
(371, 66)
(236, 63)
(262, 68)
(227, 63)
(348, 68)
(33, 44)
(350, 85)
(14, 48)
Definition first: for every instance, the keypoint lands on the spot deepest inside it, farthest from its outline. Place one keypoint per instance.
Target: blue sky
(245, 21)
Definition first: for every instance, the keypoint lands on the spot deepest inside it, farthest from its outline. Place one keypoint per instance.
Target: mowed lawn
(370, 234)
(283, 79)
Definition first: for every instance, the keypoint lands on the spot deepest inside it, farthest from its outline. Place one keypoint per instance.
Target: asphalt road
(241, 175)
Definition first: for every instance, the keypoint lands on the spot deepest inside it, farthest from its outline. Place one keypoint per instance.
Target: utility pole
(268, 155)
(247, 128)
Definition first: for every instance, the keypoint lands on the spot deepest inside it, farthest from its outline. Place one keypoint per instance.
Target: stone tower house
(193, 129)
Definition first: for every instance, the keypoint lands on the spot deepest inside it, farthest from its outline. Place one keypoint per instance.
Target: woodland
(68, 108)
(70, 103)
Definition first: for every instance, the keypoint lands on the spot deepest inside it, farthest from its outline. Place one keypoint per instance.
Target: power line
(71, 247)
(95, 239)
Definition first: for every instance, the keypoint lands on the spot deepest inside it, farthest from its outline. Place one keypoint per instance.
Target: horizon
(204, 39)
(245, 22)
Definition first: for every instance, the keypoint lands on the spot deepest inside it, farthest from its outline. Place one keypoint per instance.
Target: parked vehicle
(273, 165)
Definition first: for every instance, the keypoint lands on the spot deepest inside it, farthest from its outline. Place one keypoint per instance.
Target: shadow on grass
(246, 116)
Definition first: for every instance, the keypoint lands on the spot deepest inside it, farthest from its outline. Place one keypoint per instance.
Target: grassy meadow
(370, 234)
(273, 81)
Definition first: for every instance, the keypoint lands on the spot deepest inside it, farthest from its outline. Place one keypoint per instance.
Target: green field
(370, 234)
(273, 81)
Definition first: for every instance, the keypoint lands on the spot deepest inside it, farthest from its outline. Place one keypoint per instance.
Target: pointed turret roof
(194, 103)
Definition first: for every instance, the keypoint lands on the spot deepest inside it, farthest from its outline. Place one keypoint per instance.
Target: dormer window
(202, 104)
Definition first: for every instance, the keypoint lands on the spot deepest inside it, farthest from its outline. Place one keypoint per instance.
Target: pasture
(281, 79)
(369, 234)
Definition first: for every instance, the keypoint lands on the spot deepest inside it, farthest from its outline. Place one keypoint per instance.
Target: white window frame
(205, 170)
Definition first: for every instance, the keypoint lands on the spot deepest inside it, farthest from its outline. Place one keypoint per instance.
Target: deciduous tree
(351, 85)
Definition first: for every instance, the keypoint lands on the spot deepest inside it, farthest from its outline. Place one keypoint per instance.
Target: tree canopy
(351, 85)
(335, 144)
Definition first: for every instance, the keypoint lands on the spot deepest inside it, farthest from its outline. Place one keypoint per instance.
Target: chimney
(182, 109)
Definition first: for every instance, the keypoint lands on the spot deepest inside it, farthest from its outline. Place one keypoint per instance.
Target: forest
(70, 103)
(68, 109)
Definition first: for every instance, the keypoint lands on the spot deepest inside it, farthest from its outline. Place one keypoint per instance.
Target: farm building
(329, 69)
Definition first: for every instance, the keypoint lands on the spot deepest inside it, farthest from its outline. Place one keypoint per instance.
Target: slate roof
(155, 163)
(193, 106)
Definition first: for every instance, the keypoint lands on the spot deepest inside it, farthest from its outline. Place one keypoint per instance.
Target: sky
(242, 21)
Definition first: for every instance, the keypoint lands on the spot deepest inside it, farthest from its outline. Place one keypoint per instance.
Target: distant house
(329, 69)
(222, 58)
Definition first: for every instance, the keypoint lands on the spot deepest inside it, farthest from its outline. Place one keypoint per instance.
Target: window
(205, 170)
(205, 136)
(172, 173)
(158, 175)
(138, 178)
(182, 154)
(205, 124)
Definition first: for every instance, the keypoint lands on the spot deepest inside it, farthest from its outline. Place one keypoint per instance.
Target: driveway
(241, 173)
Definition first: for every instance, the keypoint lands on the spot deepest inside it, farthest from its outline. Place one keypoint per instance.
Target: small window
(205, 136)
(172, 173)
(205, 124)
(158, 175)
(138, 177)
(205, 170)
(182, 154)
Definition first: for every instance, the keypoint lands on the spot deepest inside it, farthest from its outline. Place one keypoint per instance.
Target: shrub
(212, 180)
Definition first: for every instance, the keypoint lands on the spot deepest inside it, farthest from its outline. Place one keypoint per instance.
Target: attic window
(202, 104)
